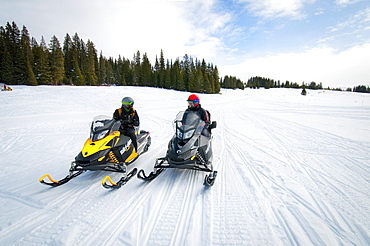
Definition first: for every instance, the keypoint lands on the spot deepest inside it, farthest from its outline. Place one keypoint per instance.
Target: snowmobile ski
(152, 175)
(209, 180)
(55, 183)
(120, 183)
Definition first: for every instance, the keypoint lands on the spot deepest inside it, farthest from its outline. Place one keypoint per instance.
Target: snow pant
(130, 132)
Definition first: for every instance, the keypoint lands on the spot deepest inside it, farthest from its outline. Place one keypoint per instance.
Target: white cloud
(177, 27)
(357, 20)
(323, 64)
(346, 2)
(122, 27)
(352, 31)
(319, 12)
(276, 8)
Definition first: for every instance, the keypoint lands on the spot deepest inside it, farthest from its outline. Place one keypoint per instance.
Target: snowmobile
(188, 148)
(6, 88)
(106, 149)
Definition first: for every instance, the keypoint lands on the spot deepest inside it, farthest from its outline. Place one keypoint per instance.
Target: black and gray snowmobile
(188, 149)
(106, 149)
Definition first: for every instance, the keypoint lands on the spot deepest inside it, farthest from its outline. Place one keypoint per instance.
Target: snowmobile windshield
(188, 123)
(101, 126)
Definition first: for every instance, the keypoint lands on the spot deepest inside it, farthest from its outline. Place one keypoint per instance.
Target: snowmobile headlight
(179, 134)
(100, 135)
(188, 134)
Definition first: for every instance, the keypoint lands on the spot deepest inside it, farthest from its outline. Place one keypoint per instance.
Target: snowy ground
(293, 170)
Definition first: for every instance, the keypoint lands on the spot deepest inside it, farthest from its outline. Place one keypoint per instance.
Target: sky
(299, 41)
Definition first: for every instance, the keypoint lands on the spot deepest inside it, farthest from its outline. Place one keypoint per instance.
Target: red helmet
(193, 100)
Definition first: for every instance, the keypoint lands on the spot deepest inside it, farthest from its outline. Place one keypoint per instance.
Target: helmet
(127, 102)
(193, 100)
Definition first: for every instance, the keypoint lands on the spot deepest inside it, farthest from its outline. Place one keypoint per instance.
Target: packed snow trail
(292, 170)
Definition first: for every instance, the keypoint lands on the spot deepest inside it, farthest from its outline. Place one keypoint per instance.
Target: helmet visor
(193, 103)
(127, 104)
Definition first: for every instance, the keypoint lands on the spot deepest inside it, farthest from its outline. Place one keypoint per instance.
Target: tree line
(361, 88)
(257, 82)
(267, 83)
(24, 61)
(232, 82)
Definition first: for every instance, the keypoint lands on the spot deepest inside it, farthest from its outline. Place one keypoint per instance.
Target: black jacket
(201, 111)
(128, 118)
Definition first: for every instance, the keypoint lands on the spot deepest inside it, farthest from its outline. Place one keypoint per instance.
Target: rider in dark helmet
(194, 105)
(129, 119)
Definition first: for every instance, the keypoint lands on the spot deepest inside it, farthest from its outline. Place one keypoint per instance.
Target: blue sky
(295, 40)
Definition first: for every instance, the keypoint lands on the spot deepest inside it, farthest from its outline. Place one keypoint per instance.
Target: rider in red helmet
(194, 105)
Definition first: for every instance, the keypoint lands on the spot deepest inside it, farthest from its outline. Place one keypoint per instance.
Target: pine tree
(2, 44)
(110, 79)
(6, 68)
(207, 87)
(91, 77)
(156, 73)
(77, 76)
(27, 77)
(193, 83)
(127, 71)
(216, 81)
(82, 60)
(185, 67)
(136, 68)
(120, 74)
(162, 71)
(102, 71)
(178, 76)
(146, 73)
(167, 77)
(12, 43)
(68, 61)
(56, 58)
(198, 82)
(42, 66)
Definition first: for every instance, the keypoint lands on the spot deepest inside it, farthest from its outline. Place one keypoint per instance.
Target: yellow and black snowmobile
(106, 149)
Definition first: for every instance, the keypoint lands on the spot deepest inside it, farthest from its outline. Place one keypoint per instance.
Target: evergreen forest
(24, 61)
(267, 83)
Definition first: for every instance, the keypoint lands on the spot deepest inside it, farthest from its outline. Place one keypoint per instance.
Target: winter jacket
(128, 118)
(201, 111)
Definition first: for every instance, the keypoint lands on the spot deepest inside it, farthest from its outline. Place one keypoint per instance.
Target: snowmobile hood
(91, 147)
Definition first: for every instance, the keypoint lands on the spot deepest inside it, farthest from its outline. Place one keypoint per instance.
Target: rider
(194, 105)
(129, 119)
